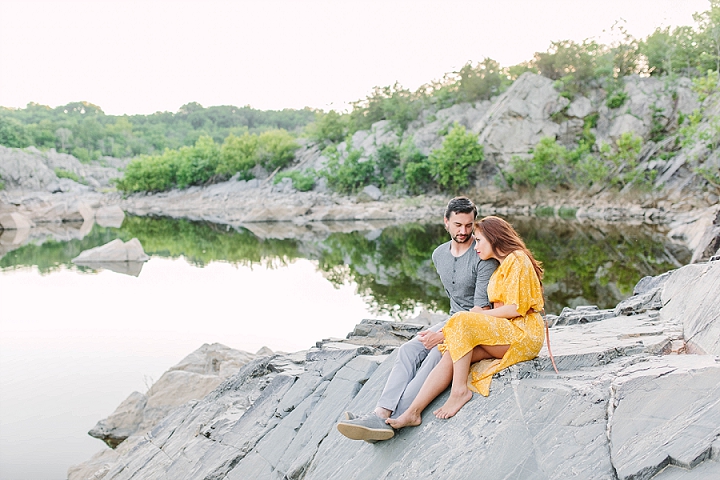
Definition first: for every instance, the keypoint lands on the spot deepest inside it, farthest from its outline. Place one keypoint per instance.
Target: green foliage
(657, 128)
(82, 129)
(617, 99)
(276, 149)
(404, 167)
(710, 175)
(302, 181)
(394, 103)
(450, 164)
(705, 86)
(548, 165)
(206, 161)
(2, 184)
(13, 133)
(350, 174)
(623, 156)
(68, 174)
(238, 155)
(150, 173)
(330, 127)
(196, 165)
(574, 65)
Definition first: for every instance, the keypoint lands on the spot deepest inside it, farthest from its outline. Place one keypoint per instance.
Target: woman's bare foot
(453, 404)
(407, 419)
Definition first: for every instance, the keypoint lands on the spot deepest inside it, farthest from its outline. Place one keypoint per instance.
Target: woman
(512, 331)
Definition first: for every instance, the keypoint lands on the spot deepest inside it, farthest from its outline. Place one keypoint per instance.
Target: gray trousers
(412, 366)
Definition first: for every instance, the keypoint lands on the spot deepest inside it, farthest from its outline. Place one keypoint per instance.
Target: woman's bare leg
(436, 383)
(460, 394)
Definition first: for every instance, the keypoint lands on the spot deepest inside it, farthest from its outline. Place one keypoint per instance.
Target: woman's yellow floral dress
(514, 282)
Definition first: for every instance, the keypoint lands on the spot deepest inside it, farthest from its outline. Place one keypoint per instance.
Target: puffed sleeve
(522, 286)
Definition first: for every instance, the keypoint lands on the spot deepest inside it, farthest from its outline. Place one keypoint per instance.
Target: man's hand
(431, 339)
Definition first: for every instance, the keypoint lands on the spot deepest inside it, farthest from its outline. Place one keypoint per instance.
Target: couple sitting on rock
(494, 285)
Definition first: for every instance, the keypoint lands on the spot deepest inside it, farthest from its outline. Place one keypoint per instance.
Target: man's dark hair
(460, 205)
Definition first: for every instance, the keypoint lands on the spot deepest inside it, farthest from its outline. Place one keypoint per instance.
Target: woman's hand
(431, 339)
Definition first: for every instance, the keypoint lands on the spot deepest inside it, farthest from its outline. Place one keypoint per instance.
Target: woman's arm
(503, 311)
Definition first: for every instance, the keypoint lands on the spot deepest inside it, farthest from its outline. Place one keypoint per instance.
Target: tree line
(198, 145)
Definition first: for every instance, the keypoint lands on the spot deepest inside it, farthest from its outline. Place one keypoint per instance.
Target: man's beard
(459, 238)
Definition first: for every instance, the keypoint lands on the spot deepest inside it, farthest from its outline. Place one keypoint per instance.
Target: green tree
(708, 38)
(450, 164)
(330, 127)
(394, 103)
(13, 133)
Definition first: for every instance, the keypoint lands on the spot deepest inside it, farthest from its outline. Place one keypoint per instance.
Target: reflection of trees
(203, 242)
(393, 271)
(592, 264)
(584, 264)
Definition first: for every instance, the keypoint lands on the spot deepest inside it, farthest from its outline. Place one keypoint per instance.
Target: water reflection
(593, 263)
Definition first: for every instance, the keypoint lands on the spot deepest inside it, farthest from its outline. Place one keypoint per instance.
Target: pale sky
(156, 55)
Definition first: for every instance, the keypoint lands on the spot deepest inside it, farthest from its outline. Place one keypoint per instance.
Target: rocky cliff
(636, 398)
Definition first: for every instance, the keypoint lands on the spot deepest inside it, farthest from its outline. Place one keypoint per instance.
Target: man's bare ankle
(383, 413)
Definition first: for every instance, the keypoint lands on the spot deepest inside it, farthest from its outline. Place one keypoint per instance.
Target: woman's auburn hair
(504, 240)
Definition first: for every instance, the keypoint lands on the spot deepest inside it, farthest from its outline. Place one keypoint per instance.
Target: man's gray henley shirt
(465, 278)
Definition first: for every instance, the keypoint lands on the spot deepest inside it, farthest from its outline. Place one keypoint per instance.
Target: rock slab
(624, 406)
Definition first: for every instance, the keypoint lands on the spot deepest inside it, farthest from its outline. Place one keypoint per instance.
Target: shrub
(150, 173)
(450, 164)
(238, 155)
(624, 157)
(196, 165)
(302, 181)
(548, 165)
(705, 86)
(616, 99)
(276, 149)
(349, 175)
(67, 174)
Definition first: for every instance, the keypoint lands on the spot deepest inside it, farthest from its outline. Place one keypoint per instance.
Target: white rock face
(520, 117)
(625, 405)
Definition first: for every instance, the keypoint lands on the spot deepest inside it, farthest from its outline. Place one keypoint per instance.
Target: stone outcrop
(191, 379)
(118, 256)
(115, 251)
(33, 170)
(629, 403)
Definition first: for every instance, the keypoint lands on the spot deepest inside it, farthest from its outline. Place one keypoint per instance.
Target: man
(465, 278)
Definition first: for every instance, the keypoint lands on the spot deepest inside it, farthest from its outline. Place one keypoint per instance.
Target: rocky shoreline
(244, 204)
(636, 398)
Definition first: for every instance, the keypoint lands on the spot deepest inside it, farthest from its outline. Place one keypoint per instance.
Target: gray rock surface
(191, 379)
(34, 170)
(624, 406)
(370, 193)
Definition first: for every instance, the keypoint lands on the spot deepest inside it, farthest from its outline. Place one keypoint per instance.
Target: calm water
(75, 342)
